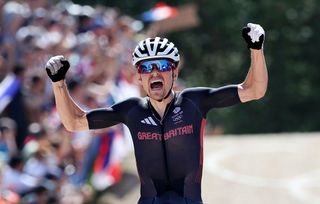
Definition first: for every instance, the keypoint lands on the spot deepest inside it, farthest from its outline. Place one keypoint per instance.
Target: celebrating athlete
(166, 126)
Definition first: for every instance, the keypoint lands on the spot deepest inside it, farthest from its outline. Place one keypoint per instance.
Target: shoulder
(208, 90)
(193, 94)
(135, 100)
(131, 103)
(194, 91)
(205, 93)
(120, 108)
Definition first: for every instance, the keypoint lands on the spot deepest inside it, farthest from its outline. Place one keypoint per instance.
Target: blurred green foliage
(215, 54)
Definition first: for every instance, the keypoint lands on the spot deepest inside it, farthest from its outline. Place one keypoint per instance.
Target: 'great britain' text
(180, 131)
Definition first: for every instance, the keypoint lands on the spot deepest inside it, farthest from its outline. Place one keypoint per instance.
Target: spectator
(98, 42)
(14, 179)
(8, 146)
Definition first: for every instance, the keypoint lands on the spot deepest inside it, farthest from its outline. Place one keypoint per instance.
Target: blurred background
(41, 162)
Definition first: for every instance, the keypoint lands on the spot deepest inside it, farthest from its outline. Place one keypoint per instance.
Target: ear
(175, 74)
(138, 77)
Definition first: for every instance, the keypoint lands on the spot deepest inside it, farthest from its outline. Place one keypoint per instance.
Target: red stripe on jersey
(199, 173)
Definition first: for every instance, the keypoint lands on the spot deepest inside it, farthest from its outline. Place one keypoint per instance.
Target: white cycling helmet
(152, 48)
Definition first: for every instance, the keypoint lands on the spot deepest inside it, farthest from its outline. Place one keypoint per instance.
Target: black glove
(57, 68)
(253, 35)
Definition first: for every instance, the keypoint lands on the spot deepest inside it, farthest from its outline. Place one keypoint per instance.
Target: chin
(156, 96)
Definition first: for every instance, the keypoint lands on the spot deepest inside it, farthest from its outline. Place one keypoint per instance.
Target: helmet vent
(155, 48)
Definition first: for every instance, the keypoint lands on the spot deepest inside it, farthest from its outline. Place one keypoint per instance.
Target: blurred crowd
(41, 162)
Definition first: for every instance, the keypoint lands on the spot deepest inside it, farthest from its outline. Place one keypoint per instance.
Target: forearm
(71, 115)
(256, 82)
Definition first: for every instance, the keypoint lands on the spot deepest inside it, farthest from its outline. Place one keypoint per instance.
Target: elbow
(251, 93)
(259, 90)
(70, 128)
(75, 125)
(259, 94)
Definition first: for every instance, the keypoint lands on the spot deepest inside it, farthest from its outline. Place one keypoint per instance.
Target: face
(156, 77)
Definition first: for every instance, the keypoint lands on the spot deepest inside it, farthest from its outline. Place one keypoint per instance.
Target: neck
(160, 106)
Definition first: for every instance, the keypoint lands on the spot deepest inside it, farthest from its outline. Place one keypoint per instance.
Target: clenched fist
(57, 68)
(253, 35)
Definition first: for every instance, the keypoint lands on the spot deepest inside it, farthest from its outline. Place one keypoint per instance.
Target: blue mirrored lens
(162, 66)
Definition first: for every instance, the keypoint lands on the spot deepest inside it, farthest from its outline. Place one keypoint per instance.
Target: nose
(155, 73)
(155, 70)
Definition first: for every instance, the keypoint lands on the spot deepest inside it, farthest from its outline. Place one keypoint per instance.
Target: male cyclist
(166, 126)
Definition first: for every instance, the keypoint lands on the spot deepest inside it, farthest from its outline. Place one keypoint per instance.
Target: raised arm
(255, 84)
(72, 116)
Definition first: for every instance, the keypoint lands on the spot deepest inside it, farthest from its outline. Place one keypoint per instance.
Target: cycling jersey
(168, 150)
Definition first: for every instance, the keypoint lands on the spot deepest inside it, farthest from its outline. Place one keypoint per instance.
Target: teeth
(156, 81)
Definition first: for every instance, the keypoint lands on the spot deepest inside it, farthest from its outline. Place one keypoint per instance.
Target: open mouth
(157, 84)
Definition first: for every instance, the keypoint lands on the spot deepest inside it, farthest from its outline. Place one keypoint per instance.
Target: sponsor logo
(149, 121)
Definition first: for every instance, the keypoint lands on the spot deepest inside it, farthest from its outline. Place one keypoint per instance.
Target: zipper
(165, 113)
(168, 184)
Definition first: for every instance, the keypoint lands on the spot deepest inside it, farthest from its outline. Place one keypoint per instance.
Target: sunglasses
(162, 65)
